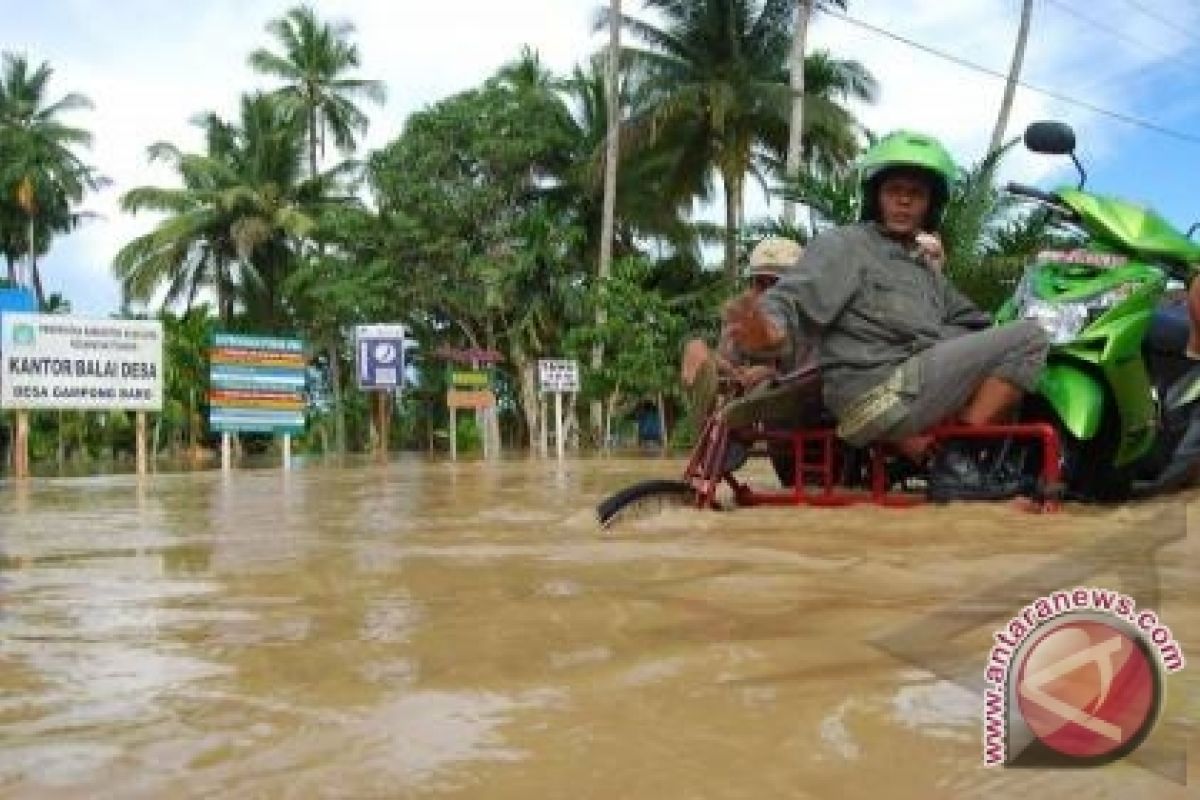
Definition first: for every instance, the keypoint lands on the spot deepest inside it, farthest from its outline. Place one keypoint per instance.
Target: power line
(1053, 95)
(1118, 33)
(1154, 15)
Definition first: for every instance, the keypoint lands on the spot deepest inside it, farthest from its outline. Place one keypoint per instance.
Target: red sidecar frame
(818, 456)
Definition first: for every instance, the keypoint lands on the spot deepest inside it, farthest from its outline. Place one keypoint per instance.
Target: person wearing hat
(703, 369)
(900, 348)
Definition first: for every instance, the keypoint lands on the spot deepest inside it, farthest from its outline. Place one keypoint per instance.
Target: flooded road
(423, 629)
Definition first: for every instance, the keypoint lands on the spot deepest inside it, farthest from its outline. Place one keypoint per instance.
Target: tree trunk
(796, 129)
(61, 455)
(335, 386)
(38, 292)
(608, 219)
(81, 443)
(571, 428)
(610, 407)
(731, 228)
(224, 313)
(733, 223)
(1014, 74)
(662, 423)
(312, 142)
(34, 275)
(193, 423)
(323, 439)
(531, 402)
(156, 438)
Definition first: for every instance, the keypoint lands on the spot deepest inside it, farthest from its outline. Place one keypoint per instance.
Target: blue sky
(149, 65)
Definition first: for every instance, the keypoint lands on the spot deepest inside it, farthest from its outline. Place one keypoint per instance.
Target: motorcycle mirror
(1050, 138)
(1055, 139)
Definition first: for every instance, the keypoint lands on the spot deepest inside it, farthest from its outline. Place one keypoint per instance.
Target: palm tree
(832, 134)
(797, 72)
(1014, 75)
(718, 93)
(234, 223)
(827, 184)
(716, 72)
(42, 179)
(316, 55)
(564, 190)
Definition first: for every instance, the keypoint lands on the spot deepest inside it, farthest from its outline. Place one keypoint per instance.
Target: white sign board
(558, 375)
(380, 332)
(55, 362)
(379, 356)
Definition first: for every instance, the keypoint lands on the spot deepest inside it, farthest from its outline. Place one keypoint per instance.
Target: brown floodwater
(428, 629)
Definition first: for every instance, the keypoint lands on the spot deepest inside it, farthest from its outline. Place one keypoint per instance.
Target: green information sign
(473, 379)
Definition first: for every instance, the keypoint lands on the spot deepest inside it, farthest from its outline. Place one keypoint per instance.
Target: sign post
(558, 376)
(62, 363)
(558, 425)
(257, 386)
(379, 356)
(22, 301)
(471, 390)
(140, 441)
(21, 446)
(544, 419)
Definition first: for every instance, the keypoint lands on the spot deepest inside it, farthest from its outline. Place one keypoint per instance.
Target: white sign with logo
(380, 356)
(558, 375)
(55, 362)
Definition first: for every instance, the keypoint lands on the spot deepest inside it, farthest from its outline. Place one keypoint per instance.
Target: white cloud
(149, 65)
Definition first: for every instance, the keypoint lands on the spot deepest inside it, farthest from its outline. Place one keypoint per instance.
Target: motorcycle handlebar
(1030, 191)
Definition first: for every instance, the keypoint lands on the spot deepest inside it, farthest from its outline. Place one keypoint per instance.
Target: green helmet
(906, 150)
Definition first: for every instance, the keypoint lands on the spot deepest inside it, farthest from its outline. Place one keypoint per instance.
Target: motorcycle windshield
(1131, 226)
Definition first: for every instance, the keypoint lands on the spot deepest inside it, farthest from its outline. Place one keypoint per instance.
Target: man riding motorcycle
(900, 349)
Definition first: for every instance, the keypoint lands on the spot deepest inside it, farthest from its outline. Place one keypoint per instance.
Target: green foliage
(832, 196)
(234, 225)
(642, 335)
(468, 436)
(316, 56)
(988, 237)
(43, 180)
(716, 96)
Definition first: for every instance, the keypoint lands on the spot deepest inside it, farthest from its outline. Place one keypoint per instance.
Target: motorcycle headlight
(1063, 321)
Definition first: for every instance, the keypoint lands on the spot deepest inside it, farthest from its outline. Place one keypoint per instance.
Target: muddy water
(435, 630)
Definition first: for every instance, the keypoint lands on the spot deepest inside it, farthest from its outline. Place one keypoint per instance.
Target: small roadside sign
(558, 375)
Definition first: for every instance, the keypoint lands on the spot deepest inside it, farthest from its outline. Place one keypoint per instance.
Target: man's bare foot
(695, 353)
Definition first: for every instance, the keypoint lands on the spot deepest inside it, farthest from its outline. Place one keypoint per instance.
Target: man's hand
(750, 376)
(749, 326)
(929, 248)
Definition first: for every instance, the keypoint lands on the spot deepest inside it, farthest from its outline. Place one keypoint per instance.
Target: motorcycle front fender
(1076, 397)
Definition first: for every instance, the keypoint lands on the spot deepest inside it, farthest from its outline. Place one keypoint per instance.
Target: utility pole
(608, 222)
(796, 128)
(1014, 75)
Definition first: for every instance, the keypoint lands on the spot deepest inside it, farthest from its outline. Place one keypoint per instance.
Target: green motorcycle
(1122, 392)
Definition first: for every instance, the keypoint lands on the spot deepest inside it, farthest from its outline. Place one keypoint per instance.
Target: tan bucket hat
(775, 256)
